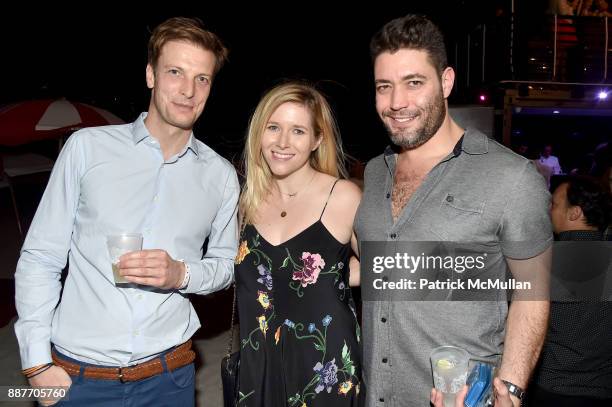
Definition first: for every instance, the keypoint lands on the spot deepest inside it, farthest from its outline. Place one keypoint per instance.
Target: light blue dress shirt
(109, 180)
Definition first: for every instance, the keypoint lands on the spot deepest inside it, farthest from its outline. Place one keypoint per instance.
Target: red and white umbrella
(34, 120)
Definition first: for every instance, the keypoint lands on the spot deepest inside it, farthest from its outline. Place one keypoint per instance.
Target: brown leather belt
(182, 355)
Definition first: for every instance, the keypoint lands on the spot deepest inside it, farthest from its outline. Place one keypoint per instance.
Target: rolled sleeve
(216, 270)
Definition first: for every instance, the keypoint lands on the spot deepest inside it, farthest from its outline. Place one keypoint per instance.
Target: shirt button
(392, 235)
(136, 333)
(155, 198)
(388, 195)
(382, 400)
(384, 360)
(449, 198)
(383, 320)
(139, 297)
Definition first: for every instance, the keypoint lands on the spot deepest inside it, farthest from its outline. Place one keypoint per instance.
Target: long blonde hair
(327, 158)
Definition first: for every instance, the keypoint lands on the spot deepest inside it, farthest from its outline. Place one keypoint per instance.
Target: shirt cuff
(193, 278)
(34, 354)
(206, 278)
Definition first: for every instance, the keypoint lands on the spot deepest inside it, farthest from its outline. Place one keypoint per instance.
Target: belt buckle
(121, 375)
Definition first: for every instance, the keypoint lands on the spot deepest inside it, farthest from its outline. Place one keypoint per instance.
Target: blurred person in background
(575, 368)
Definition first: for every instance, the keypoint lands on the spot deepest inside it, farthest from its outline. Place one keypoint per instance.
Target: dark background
(96, 52)
(99, 57)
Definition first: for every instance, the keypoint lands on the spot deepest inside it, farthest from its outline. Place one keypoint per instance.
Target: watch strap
(514, 389)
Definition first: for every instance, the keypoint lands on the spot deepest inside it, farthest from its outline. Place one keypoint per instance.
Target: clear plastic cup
(119, 245)
(449, 365)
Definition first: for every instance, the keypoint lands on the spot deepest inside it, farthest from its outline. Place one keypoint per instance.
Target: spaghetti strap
(328, 196)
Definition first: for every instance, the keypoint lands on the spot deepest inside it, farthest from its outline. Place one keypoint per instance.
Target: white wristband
(186, 277)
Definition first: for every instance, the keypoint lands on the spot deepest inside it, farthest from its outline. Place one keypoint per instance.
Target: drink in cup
(449, 365)
(119, 245)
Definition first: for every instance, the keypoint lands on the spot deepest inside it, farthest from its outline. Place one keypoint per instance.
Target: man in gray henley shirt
(439, 182)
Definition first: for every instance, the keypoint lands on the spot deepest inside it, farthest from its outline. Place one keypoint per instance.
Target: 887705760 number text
(29, 393)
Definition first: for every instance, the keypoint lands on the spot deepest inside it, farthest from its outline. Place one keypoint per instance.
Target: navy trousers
(169, 389)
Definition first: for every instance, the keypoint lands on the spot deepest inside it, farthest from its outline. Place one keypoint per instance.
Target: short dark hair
(413, 32)
(186, 29)
(592, 197)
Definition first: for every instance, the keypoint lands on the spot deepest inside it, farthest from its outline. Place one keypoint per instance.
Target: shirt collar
(192, 144)
(140, 132)
(472, 142)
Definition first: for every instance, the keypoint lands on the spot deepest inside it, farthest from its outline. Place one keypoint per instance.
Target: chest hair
(404, 186)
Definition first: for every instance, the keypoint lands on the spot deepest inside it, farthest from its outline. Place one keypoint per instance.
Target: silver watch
(514, 389)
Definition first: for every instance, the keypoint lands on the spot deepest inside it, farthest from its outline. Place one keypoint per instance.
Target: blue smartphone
(480, 382)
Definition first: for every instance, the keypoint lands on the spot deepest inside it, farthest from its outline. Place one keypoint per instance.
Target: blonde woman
(299, 335)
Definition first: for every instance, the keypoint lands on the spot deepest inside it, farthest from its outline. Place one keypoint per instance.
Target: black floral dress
(299, 336)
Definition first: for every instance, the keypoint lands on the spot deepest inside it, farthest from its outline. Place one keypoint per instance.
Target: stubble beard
(433, 114)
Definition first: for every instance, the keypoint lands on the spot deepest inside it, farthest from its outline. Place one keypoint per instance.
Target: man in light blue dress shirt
(130, 345)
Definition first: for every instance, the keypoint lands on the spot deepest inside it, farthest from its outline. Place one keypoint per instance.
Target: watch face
(514, 389)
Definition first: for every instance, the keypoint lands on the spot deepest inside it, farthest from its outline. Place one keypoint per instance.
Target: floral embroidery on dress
(345, 387)
(309, 273)
(263, 299)
(242, 396)
(263, 324)
(326, 372)
(266, 276)
(243, 251)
